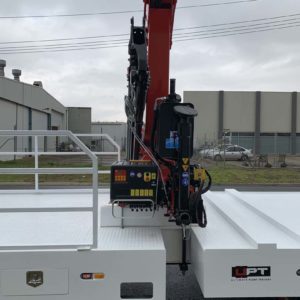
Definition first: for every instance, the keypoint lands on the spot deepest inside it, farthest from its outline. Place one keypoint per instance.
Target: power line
(245, 27)
(119, 12)
(234, 33)
(191, 34)
(65, 39)
(63, 50)
(208, 36)
(216, 4)
(239, 22)
(175, 30)
(63, 45)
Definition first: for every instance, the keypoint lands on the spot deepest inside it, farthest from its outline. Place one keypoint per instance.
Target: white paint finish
(172, 234)
(244, 229)
(13, 283)
(45, 228)
(276, 112)
(128, 239)
(243, 219)
(136, 265)
(239, 111)
(43, 200)
(206, 123)
(214, 236)
(173, 240)
(133, 218)
(248, 229)
(51, 228)
(278, 206)
(213, 270)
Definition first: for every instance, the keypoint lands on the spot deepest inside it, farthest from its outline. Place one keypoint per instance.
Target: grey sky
(97, 78)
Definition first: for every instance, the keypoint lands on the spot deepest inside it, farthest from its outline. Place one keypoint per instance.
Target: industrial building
(267, 122)
(80, 119)
(26, 106)
(116, 130)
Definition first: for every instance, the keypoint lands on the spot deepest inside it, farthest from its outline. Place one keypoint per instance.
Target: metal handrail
(114, 143)
(36, 170)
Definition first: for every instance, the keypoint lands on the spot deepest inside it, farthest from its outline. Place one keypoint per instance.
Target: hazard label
(185, 160)
(185, 167)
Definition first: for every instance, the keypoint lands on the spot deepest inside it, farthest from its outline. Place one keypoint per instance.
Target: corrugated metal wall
(266, 122)
(117, 131)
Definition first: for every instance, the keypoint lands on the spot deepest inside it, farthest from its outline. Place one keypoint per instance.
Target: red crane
(158, 171)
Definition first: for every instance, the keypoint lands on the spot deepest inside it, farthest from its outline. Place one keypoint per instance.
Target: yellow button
(150, 193)
(142, 193)
(132, 193)
(137, 193)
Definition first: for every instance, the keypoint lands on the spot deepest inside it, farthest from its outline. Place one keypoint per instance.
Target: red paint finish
(160, 27)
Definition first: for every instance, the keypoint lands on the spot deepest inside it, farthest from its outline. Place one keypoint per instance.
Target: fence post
(36, 162)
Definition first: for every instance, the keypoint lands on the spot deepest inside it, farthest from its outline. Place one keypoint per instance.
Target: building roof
(28, 95)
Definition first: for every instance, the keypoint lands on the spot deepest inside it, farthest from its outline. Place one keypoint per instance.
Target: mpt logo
(245, 272)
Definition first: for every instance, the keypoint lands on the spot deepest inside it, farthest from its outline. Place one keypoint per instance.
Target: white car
(232, 152)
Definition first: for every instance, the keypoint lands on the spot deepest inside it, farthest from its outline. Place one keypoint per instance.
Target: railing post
(36, 162)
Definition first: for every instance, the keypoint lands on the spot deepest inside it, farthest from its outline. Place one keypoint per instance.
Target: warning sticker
(185, 168)
(185, 160)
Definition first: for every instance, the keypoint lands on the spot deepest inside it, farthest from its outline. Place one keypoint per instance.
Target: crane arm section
(159, 18)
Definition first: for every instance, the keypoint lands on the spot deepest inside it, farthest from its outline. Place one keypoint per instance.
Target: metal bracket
(114, 202)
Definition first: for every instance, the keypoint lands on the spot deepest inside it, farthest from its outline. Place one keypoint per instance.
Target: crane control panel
(135, 180)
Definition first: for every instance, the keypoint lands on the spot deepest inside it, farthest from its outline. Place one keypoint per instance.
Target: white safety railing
(36, 171)
(103, 153)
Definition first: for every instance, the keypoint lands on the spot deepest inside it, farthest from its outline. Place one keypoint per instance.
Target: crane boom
(159, 22)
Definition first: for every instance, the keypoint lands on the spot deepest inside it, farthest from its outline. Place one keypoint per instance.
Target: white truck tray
(251, 246)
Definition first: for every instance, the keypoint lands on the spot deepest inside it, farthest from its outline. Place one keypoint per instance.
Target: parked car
(210, 152)
(231, 152)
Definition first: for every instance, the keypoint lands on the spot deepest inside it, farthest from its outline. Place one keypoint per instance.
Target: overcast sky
(267, 60)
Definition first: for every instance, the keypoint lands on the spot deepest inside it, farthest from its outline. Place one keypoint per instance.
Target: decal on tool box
(34, 278)
(92, 276)
(251, 273)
